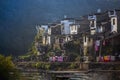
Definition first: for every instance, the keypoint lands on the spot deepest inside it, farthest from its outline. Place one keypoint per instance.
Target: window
(62, 27)
(100, 29)
(92, 23)
(72, 27)
(113, 21)
(112, 12)
(85, 38)
(75, 28)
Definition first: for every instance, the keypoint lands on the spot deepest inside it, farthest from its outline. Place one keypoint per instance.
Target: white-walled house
(44, 40)
(45, 27)
(49, 30)
(99, 23)
(87, 47)
(48, 40)
(67, 38)
(40, 29)
(85, 40)
(54, 29)
(74, 28)
(66, 25)
(92, 25)
(114, 21)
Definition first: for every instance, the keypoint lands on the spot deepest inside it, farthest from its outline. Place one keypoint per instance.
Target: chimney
(98, 10)
(65, 16)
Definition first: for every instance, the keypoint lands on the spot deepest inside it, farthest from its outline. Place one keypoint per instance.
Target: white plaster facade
(93, 24)
(49, 31)
(45, 27)
(114, 24)
(66, 26)
(46, 40)
(100, 29)
(74, 29)
(85, 41)
(113, 19)
(43, 40)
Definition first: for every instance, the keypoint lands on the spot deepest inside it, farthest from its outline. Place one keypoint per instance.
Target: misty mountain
(18, 18)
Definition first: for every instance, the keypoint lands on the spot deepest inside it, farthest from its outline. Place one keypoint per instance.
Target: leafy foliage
(7, 69)
(56, 66)
(72, 46)
(37, 42)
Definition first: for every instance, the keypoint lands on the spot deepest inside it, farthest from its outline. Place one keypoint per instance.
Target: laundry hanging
(104, 43)
(97, 43)
(96, 48)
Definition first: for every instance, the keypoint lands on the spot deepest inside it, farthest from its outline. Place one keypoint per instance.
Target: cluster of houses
(99, 34)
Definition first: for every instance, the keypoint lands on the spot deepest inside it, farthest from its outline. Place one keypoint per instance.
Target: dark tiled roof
(56, 30)
(102, 17)
(68, 19)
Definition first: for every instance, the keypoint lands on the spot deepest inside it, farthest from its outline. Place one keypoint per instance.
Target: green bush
(7, 69)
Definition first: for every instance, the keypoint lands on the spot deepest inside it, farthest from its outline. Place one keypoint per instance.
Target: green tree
(72, 46)
(33, 51)
(7, 69)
